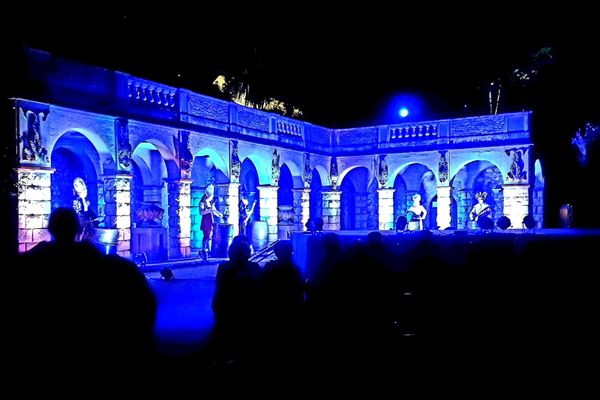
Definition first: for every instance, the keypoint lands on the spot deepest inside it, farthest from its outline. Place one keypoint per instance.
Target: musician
(208, 212)
(481, 209)
(87, 217)
(416, 214)
(245, 213)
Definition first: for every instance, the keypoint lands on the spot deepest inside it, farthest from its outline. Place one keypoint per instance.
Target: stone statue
(149, 215)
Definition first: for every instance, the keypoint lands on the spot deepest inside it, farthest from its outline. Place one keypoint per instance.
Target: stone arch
(477, 176)
(296, 173)
(208, 168)
(285, 196)
(349, 169)
(150, 170)
(260, 166)
(213, 156)
(411, 178)
(316, 196)
(106, 161)
(171, 163)
(355, 200)
(74, 155)
(249, 181)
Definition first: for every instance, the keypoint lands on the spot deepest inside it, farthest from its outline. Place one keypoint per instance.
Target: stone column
(465, 203)
(498, 196)
(153, 194)
(444, 207)
(179, 217)
(516, 203)
(228, 202)
(386, 209)
(332, 201)
(34, 205)
(538, 206)
(362, 213)
(268, 208)
(117, 208)
(301, 208)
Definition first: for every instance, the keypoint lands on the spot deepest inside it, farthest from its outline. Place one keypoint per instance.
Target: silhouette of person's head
(284, 250)
(374, 238)
(401, 223)
(63, 224)
(239, 249)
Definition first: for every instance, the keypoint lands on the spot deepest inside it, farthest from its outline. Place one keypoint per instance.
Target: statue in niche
(236, 164)
(275, 168)
(125, 150)
(307, 175)
(33, 148)
(443, 167)
(381, 169)
(149, 215)
(516, 172)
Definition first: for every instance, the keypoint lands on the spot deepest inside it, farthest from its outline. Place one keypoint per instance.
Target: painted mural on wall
(185, 155)
(124, 150)
(443, 167)
(307, 173)
(380, 168)
(31, 139)
(275, 168)
(236, 164)
(333, 172)
(516, 172)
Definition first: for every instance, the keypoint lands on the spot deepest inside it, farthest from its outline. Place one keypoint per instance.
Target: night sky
(342, 66)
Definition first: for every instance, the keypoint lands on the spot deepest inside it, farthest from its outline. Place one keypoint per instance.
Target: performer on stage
(81, 205)
(245, 213)
(208, 212)
(481, 209)
(416, 214)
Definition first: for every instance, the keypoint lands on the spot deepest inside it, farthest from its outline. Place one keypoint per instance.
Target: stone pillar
(179, 192)
(228, 202)
(301, 208)
(362, 211)
(153, 194)
(117, 208)
(465, 203)
(386, 209)
(268, 208)
(538, 206)
(444, 207)
(516, 203)
(332, 201)
(34, 205)
(498, 196)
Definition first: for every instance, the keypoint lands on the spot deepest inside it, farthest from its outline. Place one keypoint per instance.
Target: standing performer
(81, 205)
(416, 214)
(245, 213)
(481, 209)
(208, 212)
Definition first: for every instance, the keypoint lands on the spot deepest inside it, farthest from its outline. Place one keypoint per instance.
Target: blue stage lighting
(403, 112)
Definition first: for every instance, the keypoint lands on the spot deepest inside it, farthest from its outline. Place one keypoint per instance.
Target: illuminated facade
(141, 146)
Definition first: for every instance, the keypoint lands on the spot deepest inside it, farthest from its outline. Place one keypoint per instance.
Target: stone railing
(150, 92)
(410, 132)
